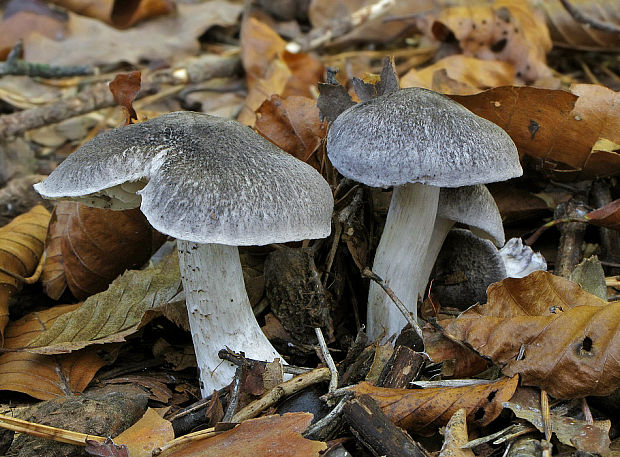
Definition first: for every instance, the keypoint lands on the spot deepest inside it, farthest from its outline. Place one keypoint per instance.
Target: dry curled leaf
(563, 130)
(568, 337)
(149, 432)
(277, 436)
(455, 436)
(125, 88)
(89, 247)
(606, 216)
(507, 30)
(423, 410)
(21, 248)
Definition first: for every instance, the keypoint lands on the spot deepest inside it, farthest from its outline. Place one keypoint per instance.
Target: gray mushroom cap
(417, 135)
(202, 178)
(473, 206)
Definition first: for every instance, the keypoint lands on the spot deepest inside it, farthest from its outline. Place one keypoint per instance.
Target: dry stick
(47, 432)
(315, 431)
(545, 413)
(95, 98)
(584, 19)
(565, 220)
(335, 29)
(239, 360)
(368, 273)
(333, 382)
(234, 396)
(15, 66)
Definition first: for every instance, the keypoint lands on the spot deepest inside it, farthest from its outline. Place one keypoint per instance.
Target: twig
(322, 36)
(47, 432)
(15, 66)
(280, 391)
(182, 440)
(545, 414)
(590, 21)
(315, 429)
(333, 382)
(239, 360)
(565, 220)
(234, 395)
(368, 273)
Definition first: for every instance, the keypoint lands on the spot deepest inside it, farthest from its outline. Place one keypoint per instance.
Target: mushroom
(213, 184)
(473, 206)
(417, 141)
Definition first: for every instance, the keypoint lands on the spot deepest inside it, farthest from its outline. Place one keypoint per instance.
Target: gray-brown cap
(473, 206)
(417, 135)
(200, 178)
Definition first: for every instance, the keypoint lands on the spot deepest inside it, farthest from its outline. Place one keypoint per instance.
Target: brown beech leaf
(44, 377)
(53, 276)
(461, 75)
(149, 432)
(507, 30)
(567, 132)
(21, 248)
(463, 362)
(276, 436)
(569, 337)
(567, 31)
(607, 216)
(124, 88)
(424, 410)
(293, 124)
(270, 69)
(455, 436)
(92, 246)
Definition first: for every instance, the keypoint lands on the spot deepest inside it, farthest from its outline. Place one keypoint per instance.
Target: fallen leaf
(44, 377)
(587, 437)
(606, 216)
(21, 248)
(130, 302)
(565, 30)
(559, 128)
(269, 435)
(568, 336)
(125, 88)
(455, 436)
(507, 30)
(106, 449)
(121, 14)
(149, 432)
(463, 75)
(90, 247)
(94, 43)
(293, 124)
(423, 410)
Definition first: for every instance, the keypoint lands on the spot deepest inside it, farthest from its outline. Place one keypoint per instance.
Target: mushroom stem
(440, 232)
(401, 255)
(220, 314)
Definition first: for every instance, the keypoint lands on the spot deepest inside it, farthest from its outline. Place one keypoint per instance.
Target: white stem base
(400, 256)
(219, 311)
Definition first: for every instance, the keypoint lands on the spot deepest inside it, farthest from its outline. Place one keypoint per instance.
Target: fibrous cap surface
(210, 180)
(417, 135)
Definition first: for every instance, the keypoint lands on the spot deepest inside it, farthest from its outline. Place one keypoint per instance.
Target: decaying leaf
(423, 410)
(507, 30)
(277, 436)
(562, 129)
(149, 432)
(125, 88)
(40, 376)
(293, 124)
(21, 248)
(89, 247)
(121, 13)
(130, 302)
(569, 338)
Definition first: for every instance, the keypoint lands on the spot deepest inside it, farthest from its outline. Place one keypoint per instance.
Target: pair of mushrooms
(213, 184)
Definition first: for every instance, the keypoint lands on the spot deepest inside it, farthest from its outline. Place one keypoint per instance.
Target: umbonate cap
(415, 135)
(199, 178)
(473, 206)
